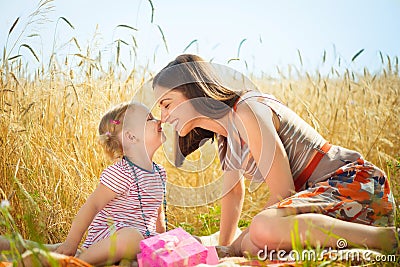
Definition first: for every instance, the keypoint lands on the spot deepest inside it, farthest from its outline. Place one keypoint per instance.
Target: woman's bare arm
(255, 124)
(231, 206)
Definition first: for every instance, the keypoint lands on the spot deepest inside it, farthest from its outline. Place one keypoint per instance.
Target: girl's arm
(231, 206)
(255, 124)
(160, 223)
(96, 201)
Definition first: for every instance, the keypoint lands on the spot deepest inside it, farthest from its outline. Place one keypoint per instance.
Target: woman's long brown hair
(195, 79)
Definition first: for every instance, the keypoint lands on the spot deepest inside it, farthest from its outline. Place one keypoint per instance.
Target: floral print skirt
(357, 192)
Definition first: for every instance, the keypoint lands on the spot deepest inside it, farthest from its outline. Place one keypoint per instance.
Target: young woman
(329, 191)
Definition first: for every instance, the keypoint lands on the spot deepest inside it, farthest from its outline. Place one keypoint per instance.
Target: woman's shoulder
(252, 104)
(256, 110)
(254, 97)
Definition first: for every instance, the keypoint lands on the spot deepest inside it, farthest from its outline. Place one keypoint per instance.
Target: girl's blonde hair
(109, 129)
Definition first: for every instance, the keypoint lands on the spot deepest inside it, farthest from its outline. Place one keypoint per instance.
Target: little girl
(127, 204)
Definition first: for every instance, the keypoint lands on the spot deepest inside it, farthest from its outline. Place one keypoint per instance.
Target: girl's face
(145, 127)
(176, 109)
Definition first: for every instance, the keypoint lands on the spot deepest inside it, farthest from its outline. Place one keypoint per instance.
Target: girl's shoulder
(118, 168)
(117, 177)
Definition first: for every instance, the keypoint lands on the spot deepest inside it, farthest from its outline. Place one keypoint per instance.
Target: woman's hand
(225, 251)
(67, 248)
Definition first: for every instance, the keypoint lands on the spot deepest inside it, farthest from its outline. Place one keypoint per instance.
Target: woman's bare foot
(396, 241)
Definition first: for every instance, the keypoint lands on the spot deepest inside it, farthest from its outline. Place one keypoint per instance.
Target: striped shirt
(299, 139)
(124, 210)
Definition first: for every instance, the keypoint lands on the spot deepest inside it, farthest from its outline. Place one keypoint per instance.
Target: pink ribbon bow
(172, 243)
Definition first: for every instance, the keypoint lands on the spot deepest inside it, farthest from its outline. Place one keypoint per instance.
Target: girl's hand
(67, 248)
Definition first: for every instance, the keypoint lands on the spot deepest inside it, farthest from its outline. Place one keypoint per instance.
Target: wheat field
(51, 161)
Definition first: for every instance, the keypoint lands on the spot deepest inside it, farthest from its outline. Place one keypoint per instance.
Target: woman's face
(176, 109)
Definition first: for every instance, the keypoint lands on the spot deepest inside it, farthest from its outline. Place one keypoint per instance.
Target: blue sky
(274, 31)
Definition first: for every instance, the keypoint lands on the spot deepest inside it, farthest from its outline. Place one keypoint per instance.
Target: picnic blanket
(347, 257)
(32, 258)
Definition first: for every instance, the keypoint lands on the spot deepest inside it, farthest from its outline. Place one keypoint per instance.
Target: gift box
(172, 248)
(212, 256)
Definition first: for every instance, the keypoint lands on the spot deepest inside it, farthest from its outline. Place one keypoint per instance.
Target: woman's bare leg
(235, 249)
(124, 244)
(270, 229)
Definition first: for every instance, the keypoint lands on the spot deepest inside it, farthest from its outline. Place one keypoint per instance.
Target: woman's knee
(265, 229)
